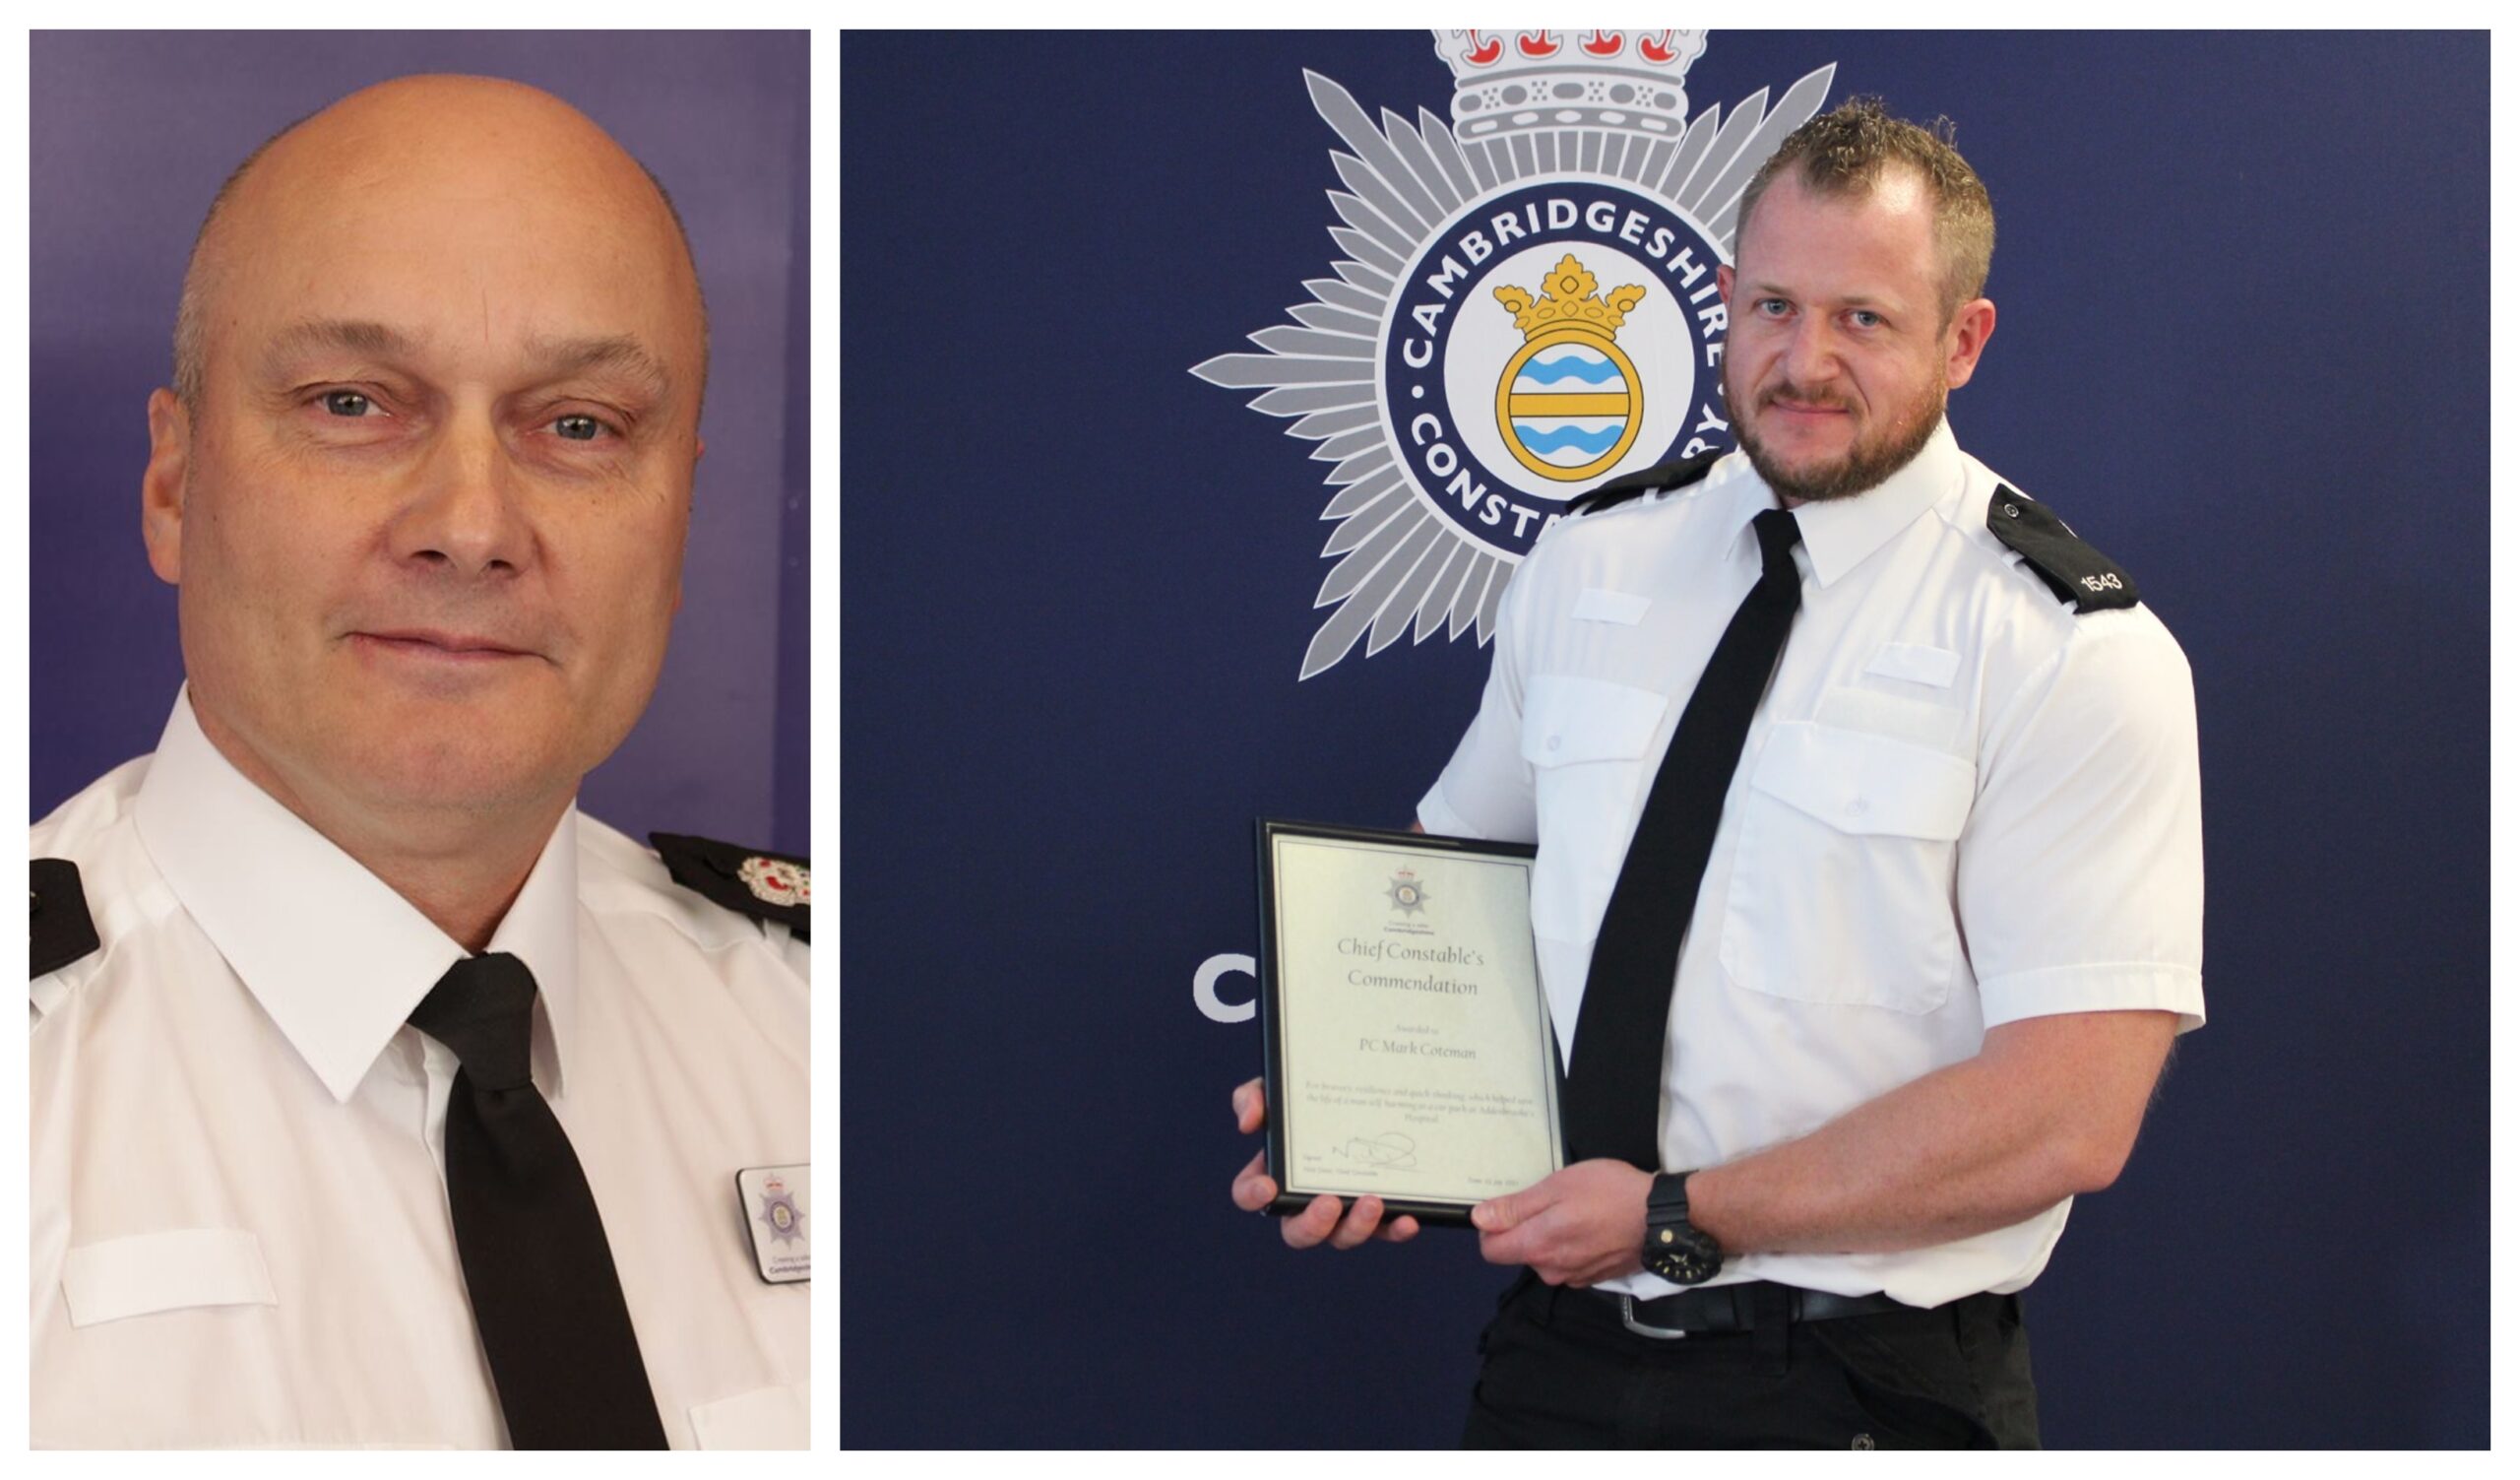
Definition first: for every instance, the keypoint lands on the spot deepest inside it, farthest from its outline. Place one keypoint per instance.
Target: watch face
(1682, 1267)
(1676, 1256)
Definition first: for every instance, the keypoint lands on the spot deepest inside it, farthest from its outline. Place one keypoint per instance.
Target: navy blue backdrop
(2241, 281)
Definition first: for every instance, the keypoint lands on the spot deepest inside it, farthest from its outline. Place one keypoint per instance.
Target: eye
(347, 404)
(578, 429)
(1775, 309)
(1866, 318)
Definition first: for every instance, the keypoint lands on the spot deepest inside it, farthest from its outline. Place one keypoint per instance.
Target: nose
(1810, 351)
(462, 514)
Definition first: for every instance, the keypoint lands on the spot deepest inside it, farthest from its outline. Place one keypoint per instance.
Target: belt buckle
(1627, 1317)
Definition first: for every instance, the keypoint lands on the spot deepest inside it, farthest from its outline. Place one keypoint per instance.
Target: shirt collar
(1840, 533)
(333, 955)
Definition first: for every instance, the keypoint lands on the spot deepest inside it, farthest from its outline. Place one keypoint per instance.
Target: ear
(699, 450)
(1972, 325)
(1723, 285)
(162, 486)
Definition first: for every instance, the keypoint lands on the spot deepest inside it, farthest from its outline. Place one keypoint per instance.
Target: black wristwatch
(1674, 1248)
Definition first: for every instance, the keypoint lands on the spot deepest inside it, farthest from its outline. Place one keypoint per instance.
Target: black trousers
(1562, 1372)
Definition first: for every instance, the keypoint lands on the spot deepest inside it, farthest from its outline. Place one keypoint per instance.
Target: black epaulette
(1620, 490)
(2075, 571)
(61, 929)
(763, 885)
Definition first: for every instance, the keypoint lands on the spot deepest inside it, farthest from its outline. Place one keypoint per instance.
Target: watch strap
(1669, 1196)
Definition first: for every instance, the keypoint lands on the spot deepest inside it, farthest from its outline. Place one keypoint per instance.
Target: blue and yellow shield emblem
(1569, 401)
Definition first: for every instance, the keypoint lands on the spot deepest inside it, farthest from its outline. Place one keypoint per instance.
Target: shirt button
(1554, 742)
(1856, 808)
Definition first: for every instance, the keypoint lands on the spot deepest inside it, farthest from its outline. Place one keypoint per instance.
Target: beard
(1876, 454)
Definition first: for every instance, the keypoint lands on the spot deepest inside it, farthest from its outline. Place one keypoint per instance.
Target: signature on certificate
(1390, 1151)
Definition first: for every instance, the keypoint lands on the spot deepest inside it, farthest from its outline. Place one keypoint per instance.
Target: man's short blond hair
(1844, 152)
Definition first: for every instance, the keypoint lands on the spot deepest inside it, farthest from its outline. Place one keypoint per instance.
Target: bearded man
(1869, 896)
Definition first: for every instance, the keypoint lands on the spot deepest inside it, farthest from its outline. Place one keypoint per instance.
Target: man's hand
(1575, 1227)
(1255, 1191)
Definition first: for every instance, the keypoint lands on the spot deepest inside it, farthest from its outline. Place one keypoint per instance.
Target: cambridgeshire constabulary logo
(1525, 307)
(778, 1213)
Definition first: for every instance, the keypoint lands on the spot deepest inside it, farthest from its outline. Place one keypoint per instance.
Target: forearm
(1980, 1144)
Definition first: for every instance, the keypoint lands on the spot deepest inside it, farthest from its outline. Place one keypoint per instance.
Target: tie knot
(1777, 535)
(482, 1009)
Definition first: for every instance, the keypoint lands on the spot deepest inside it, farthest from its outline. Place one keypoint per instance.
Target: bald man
(380, 1097)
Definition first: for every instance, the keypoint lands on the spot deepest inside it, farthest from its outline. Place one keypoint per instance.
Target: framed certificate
(1407, 1045)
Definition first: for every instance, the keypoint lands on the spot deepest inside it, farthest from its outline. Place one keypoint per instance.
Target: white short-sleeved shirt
(240, 1233)
(1959, 803)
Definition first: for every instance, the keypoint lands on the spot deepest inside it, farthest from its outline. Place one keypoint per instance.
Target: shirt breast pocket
(1841, 880)
(1587, 741)
(147, 1274)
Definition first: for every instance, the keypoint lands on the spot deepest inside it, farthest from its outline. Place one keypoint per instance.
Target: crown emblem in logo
(1509, 82)
(1560, 431)
(1568, 301)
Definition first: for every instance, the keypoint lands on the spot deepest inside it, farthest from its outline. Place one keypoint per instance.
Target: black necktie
(546, 1298)
(1615, 1084)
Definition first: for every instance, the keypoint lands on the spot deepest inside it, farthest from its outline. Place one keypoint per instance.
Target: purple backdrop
(131, 135)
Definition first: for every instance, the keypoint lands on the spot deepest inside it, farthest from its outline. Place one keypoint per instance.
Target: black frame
(1265, 833)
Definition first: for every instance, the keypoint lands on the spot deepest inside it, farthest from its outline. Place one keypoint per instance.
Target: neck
(461, 867)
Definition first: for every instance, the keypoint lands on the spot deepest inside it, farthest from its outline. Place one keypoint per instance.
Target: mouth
(429, 645)
(1809, 411)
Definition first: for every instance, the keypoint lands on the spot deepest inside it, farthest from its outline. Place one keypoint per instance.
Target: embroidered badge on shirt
(777, 882)
(774, 1200)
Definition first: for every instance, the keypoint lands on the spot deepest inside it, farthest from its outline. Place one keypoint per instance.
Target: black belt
(1738, 1308)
